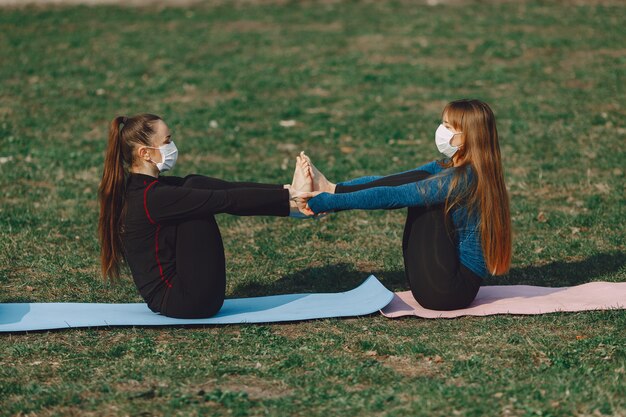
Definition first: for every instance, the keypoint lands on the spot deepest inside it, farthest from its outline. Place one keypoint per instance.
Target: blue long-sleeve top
(430, 191)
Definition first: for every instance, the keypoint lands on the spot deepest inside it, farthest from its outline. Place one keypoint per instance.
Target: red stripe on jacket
(156, 235)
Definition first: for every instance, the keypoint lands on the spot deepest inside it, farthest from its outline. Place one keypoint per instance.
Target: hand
(298, 201)
(301, 203)
(305, 197)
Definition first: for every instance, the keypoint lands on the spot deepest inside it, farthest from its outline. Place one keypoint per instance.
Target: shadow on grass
(328, 278)
(343, 277)
(598, 267)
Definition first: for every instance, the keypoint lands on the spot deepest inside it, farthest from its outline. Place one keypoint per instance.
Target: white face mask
(169, 154)
(443, 136)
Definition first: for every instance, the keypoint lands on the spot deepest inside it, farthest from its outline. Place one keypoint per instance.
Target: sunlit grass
(365, 83)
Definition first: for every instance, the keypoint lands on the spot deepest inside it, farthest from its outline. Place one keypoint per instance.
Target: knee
(428, 214)
(421, 174)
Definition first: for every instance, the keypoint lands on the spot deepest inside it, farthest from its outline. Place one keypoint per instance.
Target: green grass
(366, 83)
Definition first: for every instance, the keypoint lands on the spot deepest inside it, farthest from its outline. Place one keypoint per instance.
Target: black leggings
(437, 279)
(200, 284)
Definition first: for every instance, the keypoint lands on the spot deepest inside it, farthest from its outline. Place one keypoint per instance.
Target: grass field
(365, 83)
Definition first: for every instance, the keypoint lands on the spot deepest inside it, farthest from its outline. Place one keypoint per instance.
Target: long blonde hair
(488, 194)
(137, 130)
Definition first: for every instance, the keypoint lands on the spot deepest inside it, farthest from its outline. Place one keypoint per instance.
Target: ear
(459, 138)
(144, 153)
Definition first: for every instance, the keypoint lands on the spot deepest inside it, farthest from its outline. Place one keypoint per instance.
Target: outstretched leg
(388, 181)
(210, 183)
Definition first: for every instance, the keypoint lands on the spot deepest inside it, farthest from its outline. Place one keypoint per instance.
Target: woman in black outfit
(164, 227)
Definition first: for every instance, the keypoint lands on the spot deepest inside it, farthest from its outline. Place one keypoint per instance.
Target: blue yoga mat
(368, 298)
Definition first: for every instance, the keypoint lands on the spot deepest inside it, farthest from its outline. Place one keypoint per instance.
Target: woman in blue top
(458, 227)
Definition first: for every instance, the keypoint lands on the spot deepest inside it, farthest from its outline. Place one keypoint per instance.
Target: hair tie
(122, 124)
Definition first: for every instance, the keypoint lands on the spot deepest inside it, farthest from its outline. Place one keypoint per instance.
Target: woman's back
(149, 247)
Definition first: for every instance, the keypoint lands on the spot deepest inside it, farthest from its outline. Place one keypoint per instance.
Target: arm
(171, 203)
(431, 167)
(432, 190)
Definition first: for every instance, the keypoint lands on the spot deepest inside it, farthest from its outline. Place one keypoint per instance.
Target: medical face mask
(443, 136)
(169, 154)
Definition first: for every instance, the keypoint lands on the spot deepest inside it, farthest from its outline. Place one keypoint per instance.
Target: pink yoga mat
(520, 299)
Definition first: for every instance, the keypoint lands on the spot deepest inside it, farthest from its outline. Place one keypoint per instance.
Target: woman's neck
(146, 170)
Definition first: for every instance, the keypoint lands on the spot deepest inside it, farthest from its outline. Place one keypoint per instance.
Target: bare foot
(302, 183)
(320, 183)
(302, 177)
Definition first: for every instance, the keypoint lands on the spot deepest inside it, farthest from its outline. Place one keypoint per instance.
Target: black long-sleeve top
(154, 206)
